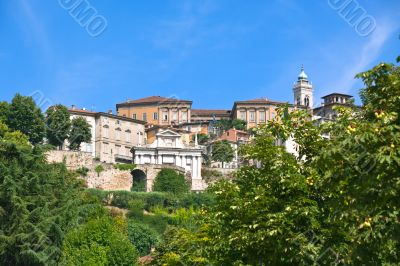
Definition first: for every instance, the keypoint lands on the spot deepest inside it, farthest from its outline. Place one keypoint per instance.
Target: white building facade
(168, 149)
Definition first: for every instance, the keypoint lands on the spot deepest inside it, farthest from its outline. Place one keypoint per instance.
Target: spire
(302, 75)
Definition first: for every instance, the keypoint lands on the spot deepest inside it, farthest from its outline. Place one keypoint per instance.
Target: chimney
(110, 112)
(73, 107)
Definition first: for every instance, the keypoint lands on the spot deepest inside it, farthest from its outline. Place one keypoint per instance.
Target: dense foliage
(80, 132)
(37, 203)
(168, 180)
(225, 124)
(98, 242)
(25, 116)
(335, 203)
(58, 125)
(222, 152)
(142, 237)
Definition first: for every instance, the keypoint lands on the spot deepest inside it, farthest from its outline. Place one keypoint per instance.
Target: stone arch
(139, 178)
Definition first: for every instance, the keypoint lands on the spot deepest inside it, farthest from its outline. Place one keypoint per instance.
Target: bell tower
(303, 91)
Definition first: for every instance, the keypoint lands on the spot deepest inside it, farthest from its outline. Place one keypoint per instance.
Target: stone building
(112, 136)
(169, 150)
(258, 111)
(326, 111)
(235, 138)
(157, 110)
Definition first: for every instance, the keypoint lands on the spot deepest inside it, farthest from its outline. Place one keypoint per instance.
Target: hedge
(151, 199)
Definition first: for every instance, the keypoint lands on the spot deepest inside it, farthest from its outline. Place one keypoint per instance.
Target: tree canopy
(25, 116)
(168, 180)
(58, 124)
(80, 132)
(222, 152)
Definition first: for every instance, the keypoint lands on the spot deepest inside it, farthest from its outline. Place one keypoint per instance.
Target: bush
(139, 186)
(142, 237)
(99, 242)
(168, 180)
(99, 168)
(169, 201)
(125, 166)
(83, 171)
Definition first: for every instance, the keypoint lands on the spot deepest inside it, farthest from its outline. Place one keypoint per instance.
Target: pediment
(168, 133)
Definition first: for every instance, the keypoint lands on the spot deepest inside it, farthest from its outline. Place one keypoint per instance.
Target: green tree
(168, 180)
(225, 124)
(4, 111)
(359, 169)
(58, 124)
(222, 152)
(80, 132)
(98, 242)
(25, 116)
(142, 237)
(38, 203)
(201, 138)
(239, 124)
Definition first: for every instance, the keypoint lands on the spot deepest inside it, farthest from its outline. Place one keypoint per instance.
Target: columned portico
(169, 150)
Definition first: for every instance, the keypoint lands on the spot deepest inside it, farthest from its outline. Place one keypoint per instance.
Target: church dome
(303, 75)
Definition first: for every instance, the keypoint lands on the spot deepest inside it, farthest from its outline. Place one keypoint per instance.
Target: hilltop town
(157, 131)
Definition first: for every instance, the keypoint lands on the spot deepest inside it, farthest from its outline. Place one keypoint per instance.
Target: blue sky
(212, 52)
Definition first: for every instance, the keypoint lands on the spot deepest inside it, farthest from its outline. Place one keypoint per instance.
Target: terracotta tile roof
(260, 100)
(80, 111)
(210, 112)
(153, 99)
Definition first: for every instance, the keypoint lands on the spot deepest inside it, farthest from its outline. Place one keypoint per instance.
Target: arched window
(307, 101)
(106, 131)
(118, 134)
(128, 136)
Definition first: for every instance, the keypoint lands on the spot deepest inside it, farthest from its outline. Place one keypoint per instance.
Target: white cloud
(363, 57)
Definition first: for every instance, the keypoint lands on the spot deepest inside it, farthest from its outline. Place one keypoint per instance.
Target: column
(159, 160)
(153, 159)
(178, 160)
(199, 167)
(194, 167)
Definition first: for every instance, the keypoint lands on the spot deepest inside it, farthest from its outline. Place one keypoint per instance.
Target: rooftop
(337, 94)
(153, 100)
(210, 112)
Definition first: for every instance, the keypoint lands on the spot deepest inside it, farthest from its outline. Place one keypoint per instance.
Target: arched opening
(139, 180)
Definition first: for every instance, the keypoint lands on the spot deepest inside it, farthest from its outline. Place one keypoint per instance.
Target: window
(168, 142)
(262, 116)
(105, 148)
(307, 101)
(243, 115)
(127, 151)
(106, 132)
(188, 160)
(144, 116)
(174, 115)
(128, 135)
(118, 134)
(155, 116)
(184, 115)
(134, 116)
(117, 149)
(165, 116)
(252, 116)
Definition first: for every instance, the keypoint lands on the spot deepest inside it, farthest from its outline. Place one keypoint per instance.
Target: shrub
(142, 237)
(125, 166)
(168, 180)
(83, 171)
(99, 168)
(99, 242)
(139, 186)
